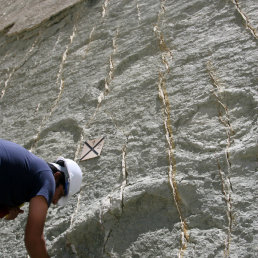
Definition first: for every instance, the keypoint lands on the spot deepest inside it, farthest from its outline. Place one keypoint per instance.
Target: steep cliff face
(172, 86)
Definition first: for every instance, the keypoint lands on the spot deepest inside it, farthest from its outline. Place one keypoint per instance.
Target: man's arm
(34, 238)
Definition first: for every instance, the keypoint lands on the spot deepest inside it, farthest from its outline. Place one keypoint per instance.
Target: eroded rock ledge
(32, 15)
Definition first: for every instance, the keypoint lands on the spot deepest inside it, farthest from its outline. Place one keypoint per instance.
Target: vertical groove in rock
(76, 158)
(166, 56)
(248, 25)
(76, 210)
(105, 208)
(226, 179)
(105, 243)
(108, 79)
(104, 8)
(6, 82)
(138, 12)
(27, 56)
(60, 82)
(90, 40)
(227, 197)
(124, 174)
(79, 147)
(122, 188)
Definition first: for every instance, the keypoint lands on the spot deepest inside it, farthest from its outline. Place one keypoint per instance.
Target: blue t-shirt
(23, 176)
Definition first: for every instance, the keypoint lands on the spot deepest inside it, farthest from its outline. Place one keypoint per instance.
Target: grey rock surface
(172, 85)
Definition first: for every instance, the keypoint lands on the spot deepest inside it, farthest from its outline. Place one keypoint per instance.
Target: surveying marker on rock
(92, 148)
(25, 177)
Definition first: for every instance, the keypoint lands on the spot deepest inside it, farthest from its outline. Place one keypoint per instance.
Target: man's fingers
(10, 216)
(13, 213)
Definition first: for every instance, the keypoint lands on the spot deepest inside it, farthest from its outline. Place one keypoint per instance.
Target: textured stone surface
(172, 85)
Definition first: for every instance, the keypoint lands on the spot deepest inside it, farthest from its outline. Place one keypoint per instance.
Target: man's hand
(34, 238)
(13, 213)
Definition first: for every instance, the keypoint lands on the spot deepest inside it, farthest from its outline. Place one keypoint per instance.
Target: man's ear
(57, 176)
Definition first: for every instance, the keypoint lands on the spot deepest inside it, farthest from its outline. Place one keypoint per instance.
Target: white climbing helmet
(73, 178)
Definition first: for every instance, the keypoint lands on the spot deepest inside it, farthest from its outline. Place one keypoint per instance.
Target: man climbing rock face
(25, 177)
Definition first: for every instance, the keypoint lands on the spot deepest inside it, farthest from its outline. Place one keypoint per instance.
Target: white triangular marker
(92, 148)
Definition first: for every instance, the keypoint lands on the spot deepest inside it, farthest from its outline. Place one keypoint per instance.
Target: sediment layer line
(227, 188)
(166, 57)
(172, 162)
(245, 18)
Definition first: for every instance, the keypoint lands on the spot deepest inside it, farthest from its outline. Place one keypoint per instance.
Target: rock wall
(172, 85)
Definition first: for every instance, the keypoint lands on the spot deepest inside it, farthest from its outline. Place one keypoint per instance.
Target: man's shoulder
(44, 184)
